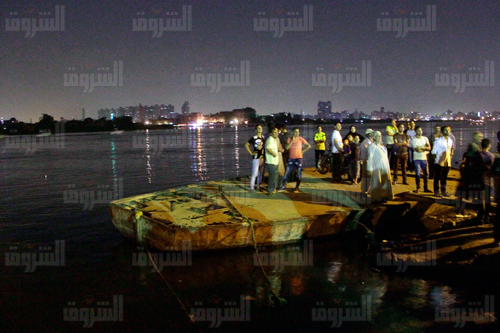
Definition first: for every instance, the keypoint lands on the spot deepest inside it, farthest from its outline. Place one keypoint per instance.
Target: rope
(370, 235)
(281, 300)
(169, 287)
(137, 216)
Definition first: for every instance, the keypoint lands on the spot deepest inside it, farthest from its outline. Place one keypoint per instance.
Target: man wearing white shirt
(442, 158)
(411, 132)
(337, 153)
(272, 160)
(421, 148)
(365, 177)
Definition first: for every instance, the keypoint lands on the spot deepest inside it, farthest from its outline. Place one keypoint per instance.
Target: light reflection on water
(237, 151)
(149, 168)
(442, 297)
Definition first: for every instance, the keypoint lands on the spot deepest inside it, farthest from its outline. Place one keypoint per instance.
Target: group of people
(265, 151)
(375, 162)
(407, 148)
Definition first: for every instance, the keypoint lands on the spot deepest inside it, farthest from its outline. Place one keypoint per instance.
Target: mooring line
(282, 300)
(137, 215)
(169, 287)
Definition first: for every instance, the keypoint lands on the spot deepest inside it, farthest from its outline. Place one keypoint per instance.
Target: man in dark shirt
(255, 147)
(481, 180)
(401, 143)
(284, 136)
(355, 160)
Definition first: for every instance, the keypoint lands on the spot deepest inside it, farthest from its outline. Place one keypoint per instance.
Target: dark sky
(158, 70)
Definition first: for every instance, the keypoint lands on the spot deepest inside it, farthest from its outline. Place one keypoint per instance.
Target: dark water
(36, 175)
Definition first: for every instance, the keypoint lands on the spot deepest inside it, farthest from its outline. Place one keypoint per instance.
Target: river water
(96, 269)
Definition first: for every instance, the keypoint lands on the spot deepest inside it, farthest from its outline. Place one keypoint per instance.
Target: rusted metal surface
(217, 215)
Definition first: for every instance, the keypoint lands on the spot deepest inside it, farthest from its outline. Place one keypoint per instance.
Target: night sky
(217, 36)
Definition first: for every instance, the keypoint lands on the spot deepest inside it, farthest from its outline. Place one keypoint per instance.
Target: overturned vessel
(224, 214)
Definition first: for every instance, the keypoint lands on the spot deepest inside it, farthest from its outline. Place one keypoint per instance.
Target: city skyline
(278, 56)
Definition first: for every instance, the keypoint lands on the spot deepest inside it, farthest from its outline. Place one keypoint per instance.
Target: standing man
(441, 152)
(390, 131)
(421, 147)
(294, 145)
(337, 149)
(481, 180)
(411, 132)
(284, 139)
(436, 135)
(319, 151)
(401, 142)
(466, 171)
(257, 144)
(365, 177)
(272, 160)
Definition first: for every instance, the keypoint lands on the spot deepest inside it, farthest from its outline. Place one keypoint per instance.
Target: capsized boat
(224, 214)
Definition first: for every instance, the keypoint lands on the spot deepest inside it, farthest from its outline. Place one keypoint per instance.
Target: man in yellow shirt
(319, 139)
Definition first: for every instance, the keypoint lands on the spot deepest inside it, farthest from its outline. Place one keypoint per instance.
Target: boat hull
(224, 214)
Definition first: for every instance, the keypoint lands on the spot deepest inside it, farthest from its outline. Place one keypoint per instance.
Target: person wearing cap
(365, 177)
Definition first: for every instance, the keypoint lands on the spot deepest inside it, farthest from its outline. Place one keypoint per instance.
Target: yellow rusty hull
(220, 215)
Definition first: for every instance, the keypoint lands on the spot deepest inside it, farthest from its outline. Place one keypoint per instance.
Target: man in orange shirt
(294, 146)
